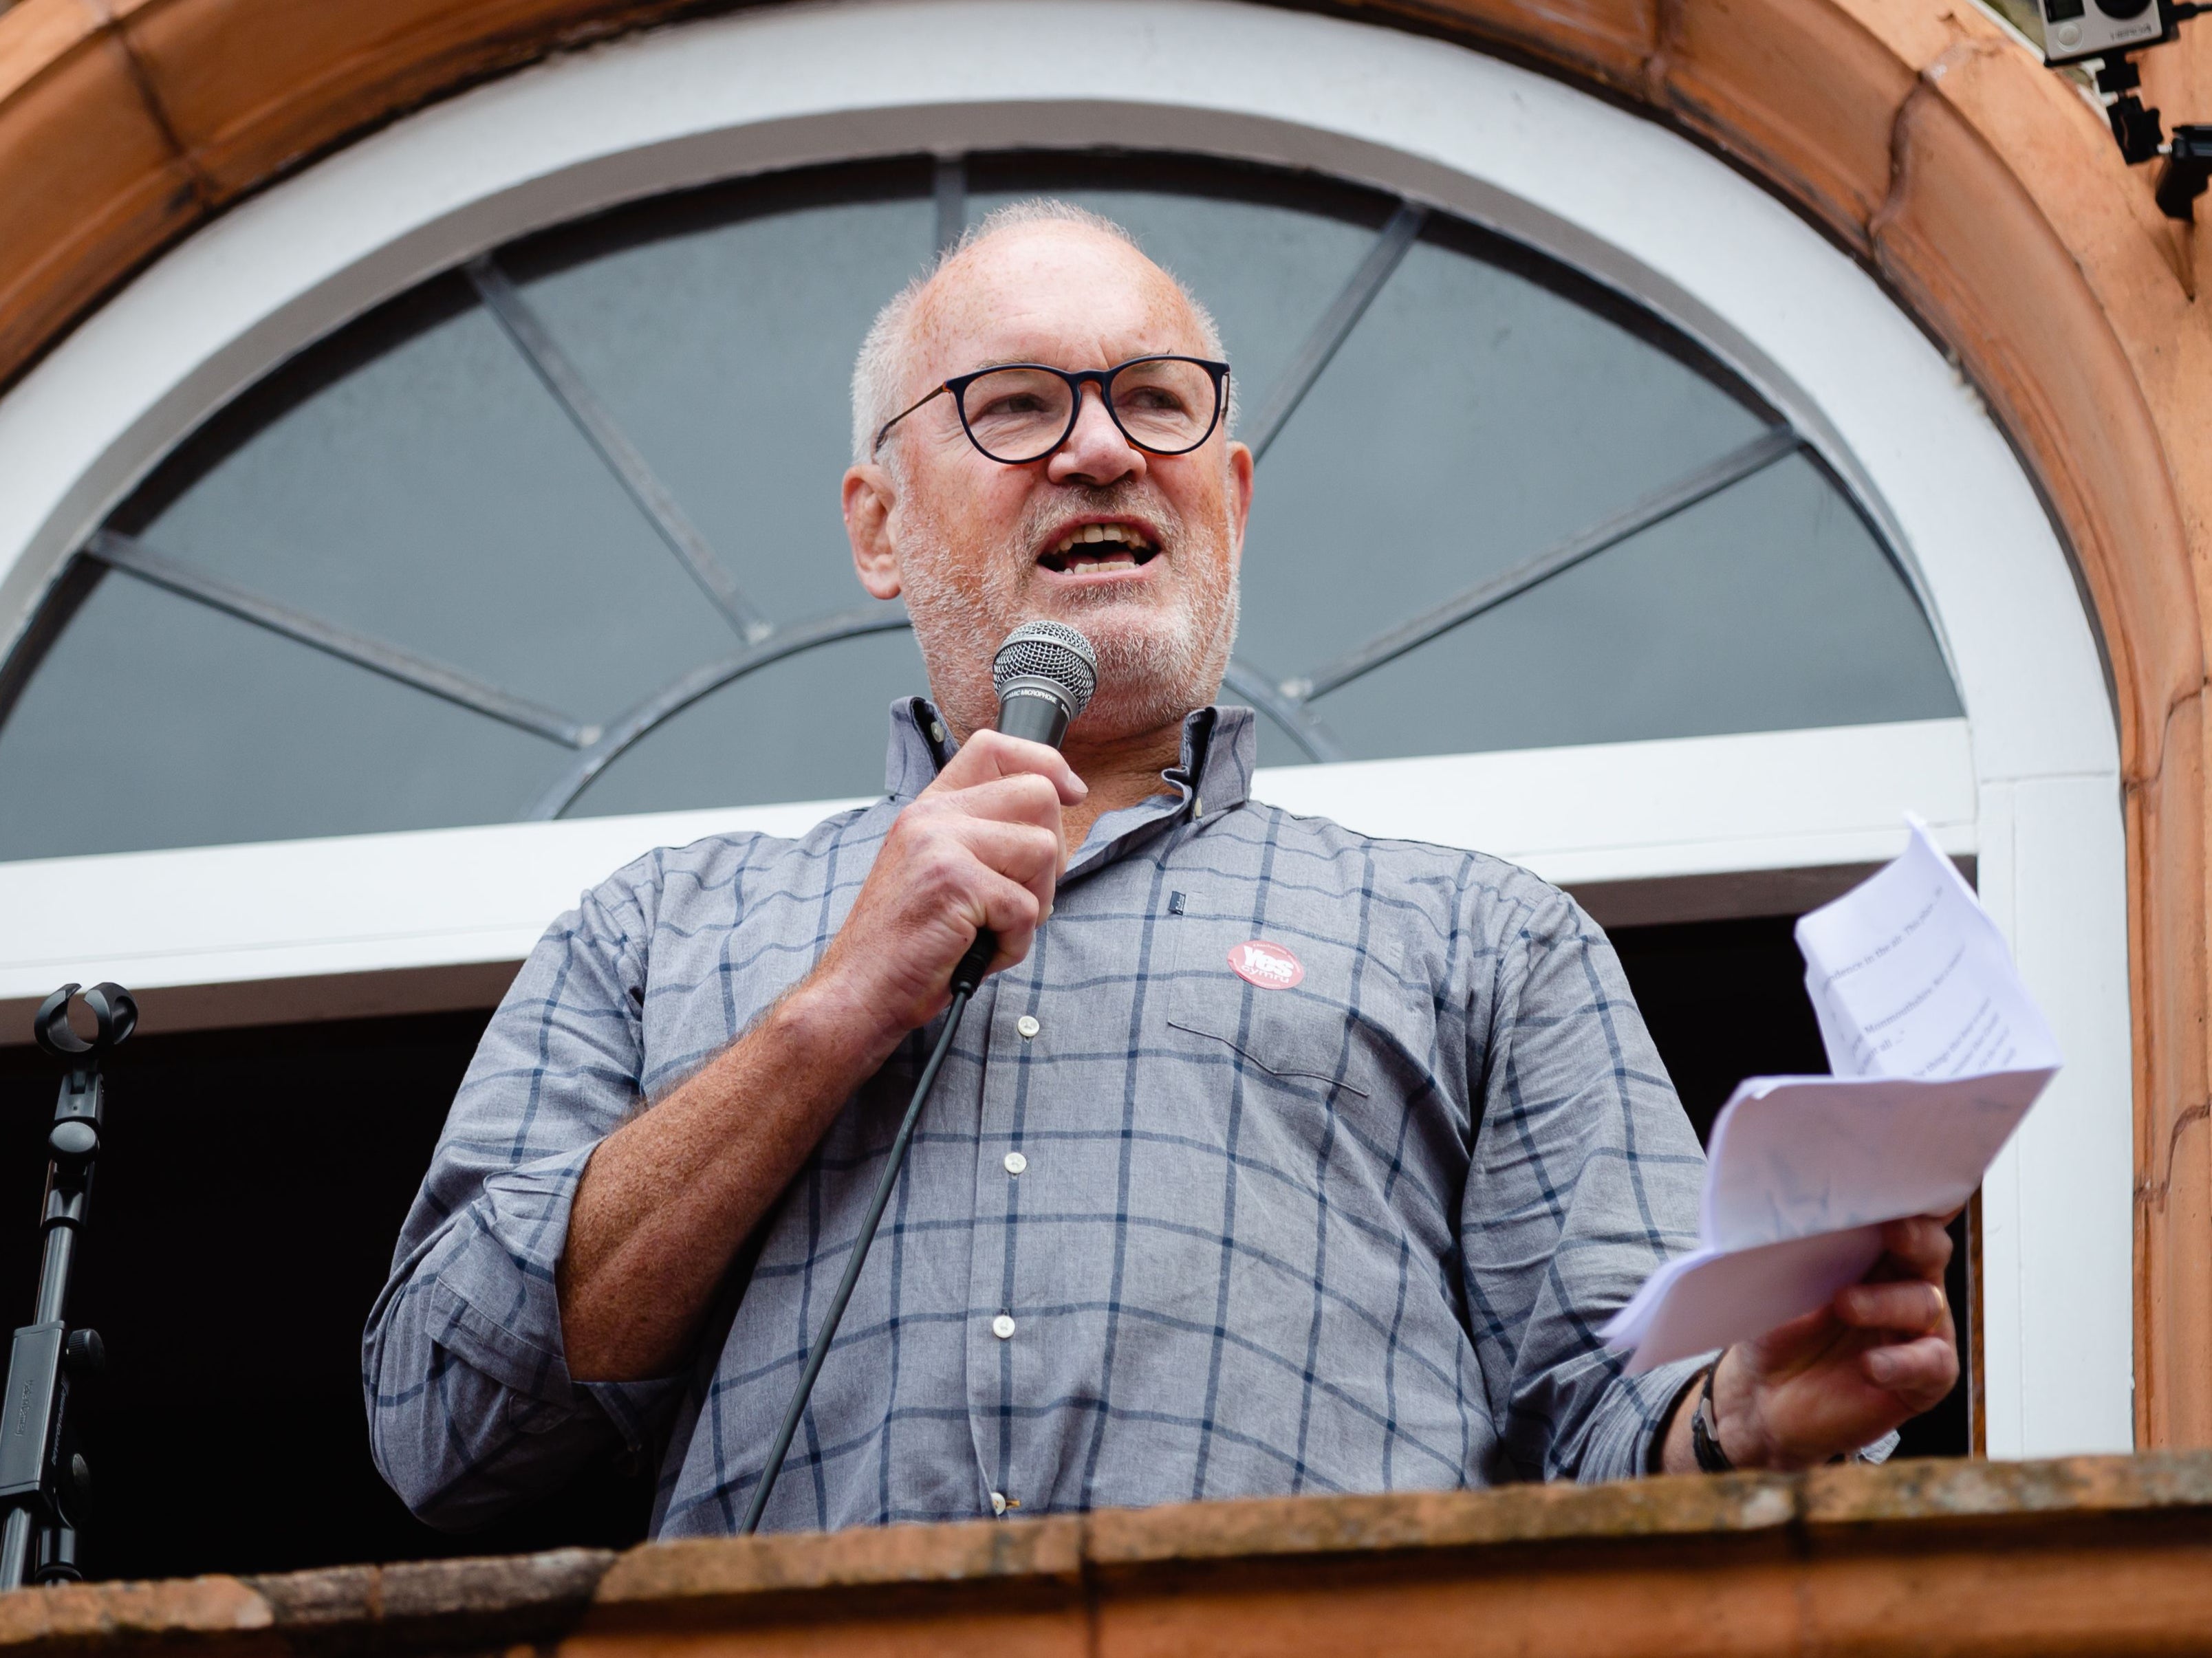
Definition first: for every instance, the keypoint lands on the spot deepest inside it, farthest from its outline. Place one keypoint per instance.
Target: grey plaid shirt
(1169, 1230)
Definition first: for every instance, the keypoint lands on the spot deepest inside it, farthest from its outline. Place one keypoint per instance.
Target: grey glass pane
(1472, 419)
(726, 353)
(1266, 272)
(417, 483)
(156, 722)
(811, 727)
(1769, 608)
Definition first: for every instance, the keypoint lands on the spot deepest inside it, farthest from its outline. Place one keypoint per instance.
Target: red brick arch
(1981, 189)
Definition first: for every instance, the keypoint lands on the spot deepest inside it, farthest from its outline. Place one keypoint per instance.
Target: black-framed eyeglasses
(1019, 412)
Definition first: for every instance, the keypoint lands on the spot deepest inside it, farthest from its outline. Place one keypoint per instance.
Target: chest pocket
(1305, 1017)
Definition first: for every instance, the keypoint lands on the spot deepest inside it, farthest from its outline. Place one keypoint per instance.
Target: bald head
(1019, 253)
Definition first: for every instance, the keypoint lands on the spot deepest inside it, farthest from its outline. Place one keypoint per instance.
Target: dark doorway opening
(253, 1183)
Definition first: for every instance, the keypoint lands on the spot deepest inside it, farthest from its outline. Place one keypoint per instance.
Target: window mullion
(530, 336)
(1335, 326)
(1775, 444)
(680, 693)
(951, 198)
(1289, 713)
(120, 552)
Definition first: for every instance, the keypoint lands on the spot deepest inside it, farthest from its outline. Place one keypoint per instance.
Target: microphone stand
(44, 1482)
(965, 977)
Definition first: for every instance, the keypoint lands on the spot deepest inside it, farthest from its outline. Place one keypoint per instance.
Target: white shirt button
(1003, 1327)
(997, 1502)
(1016, 1163)
(1028, 1026)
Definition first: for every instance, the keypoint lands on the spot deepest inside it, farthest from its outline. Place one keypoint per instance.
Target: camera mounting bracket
(2137, 128)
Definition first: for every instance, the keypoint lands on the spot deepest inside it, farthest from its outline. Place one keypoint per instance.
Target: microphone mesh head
(1048, 650)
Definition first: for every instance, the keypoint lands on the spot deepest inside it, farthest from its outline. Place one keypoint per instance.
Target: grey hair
(879, 373)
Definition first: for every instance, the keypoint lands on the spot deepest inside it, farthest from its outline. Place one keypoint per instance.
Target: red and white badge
(1269, 966)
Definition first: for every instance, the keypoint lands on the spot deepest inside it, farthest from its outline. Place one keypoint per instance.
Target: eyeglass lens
(1019, 415)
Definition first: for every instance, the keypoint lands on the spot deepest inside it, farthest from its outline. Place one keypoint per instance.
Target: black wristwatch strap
(1704, 1429)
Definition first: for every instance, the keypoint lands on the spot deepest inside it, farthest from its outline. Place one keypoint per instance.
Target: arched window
(556, 532)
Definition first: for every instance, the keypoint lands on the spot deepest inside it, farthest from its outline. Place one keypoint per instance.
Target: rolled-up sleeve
(471, 1408)
(1585, 1177)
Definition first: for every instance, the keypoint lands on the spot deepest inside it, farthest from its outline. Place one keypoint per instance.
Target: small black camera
(2074, 29)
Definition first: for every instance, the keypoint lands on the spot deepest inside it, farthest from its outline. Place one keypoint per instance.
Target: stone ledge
(446, 1604)
(513, 1588)
(1417, 1521)
(1051, 1549)
(1003, 1568)
(122, 1614)
(2119, 1548)
(2153, 1484)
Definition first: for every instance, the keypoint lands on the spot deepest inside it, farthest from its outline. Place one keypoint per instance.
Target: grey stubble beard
(1148, 676)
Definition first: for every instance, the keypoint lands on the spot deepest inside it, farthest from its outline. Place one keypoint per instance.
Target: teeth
(1091, 533)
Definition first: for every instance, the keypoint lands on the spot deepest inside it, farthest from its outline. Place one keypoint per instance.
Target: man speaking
(1270, 1158)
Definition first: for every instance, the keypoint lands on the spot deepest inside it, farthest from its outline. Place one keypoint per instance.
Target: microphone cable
(965, 977)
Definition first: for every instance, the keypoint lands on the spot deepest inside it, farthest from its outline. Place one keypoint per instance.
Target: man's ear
(870, 495)
(1240, 492)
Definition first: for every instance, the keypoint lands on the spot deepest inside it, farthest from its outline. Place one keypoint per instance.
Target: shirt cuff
(495, 1303)
(1657, 1393)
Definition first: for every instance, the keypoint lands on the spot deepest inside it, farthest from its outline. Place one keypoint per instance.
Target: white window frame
(2028, 783)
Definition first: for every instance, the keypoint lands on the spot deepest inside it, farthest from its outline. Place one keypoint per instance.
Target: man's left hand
(1824, 1385)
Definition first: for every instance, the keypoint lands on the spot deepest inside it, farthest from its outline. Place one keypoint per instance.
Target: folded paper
(1937, 1052)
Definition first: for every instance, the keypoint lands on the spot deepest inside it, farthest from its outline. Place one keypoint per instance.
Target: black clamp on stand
(43, 1481)
(2188, 169)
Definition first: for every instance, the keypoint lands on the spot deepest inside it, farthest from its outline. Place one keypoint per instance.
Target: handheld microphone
(1044, 674)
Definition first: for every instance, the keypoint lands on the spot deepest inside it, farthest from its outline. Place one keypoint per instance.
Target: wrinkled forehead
(1057, 293)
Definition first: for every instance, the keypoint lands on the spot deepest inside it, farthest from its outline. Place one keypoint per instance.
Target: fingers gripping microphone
(1044, 673)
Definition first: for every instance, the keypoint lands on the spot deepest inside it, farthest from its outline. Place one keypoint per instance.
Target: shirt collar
(920, 746)
(1213, 775)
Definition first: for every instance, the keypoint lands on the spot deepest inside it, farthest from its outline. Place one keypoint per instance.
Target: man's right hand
(981, 847)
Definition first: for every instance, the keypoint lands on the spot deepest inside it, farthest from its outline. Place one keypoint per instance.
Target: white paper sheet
(1938, 1053)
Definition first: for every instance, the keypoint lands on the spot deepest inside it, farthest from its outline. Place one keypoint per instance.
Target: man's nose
(1096, 451)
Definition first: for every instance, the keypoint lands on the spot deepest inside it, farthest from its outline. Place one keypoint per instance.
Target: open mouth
(1100, 550)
